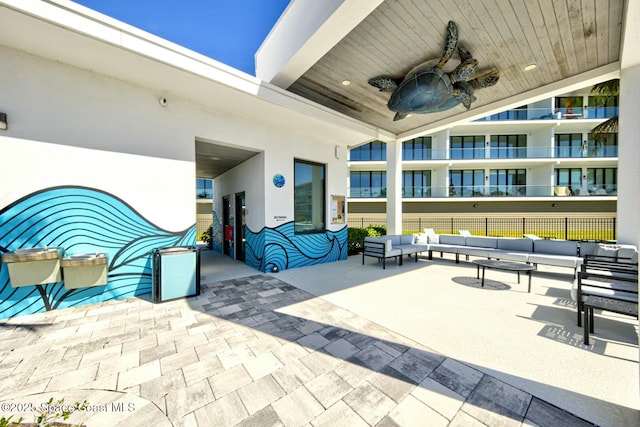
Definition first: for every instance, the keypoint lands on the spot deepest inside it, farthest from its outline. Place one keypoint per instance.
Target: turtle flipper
(450, 45)
(384, 83)
(486, 80)
(399, 116)
(464, 53)
(464, 71)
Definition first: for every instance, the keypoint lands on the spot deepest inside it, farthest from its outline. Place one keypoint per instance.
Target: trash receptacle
(176, 273)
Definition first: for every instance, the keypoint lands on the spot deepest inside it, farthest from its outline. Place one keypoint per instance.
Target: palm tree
(606, 90)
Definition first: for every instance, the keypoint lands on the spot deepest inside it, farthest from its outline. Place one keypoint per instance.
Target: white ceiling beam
(305, 32)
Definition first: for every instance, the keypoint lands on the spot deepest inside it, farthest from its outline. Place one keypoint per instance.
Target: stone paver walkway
(233, 356)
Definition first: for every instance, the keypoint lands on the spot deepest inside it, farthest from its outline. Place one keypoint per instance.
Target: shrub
(207, 237)
(356, 236)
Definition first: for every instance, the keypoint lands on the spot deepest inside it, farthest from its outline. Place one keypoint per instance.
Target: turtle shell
(422, 90)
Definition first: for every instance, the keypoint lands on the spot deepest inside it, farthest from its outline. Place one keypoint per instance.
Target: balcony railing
(484, 191)
(548, 152)
(553, 114)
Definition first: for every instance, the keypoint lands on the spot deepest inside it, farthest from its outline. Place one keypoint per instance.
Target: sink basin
(86, 256)
(84, 270)
(34, 266)
(34, 251)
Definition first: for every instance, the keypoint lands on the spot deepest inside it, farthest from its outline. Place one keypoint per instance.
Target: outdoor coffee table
(503, 265)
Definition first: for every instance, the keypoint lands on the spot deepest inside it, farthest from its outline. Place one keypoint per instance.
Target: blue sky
(229, 31)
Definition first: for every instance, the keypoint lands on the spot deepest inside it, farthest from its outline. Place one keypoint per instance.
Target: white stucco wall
(71, 126)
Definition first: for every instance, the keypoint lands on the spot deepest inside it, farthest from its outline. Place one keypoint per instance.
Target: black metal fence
(596, 229)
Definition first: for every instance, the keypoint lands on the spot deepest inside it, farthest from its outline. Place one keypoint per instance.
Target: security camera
(163, 101)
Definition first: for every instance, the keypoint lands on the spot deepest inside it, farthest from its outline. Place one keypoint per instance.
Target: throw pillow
(388, 246)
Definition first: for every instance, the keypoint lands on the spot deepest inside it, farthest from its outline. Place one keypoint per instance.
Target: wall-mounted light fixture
(553, 205)
(475, 205)
(3, 121)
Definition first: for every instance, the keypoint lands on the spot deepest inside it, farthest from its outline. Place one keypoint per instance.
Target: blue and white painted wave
(81, 220)
(281, 247)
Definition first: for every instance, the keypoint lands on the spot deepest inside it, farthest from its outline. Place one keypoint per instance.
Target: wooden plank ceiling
(562, 37)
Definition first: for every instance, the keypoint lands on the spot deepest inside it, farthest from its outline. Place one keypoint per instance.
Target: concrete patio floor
(334, 344)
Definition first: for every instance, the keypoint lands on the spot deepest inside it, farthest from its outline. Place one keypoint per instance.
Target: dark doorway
(226, 222)
(240, 226)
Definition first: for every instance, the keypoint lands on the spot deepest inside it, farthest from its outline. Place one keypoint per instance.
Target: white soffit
(69, 33)
(306, 31)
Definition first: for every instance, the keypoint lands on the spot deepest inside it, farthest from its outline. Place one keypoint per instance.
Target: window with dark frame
(508, 146)
(309, 197)
(467, 147)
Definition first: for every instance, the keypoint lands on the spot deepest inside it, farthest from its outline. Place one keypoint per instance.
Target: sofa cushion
(482, 242)
(476, 251)
(521, 245)
(588, 248)
(557, 260)
(451, 239)
(628, 253)
(406, 239)
(421, 239)
(556, 247)
(510, 255)
(607, 250)
(388, 246)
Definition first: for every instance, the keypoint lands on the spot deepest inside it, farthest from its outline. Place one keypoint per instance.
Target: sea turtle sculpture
(428, 89)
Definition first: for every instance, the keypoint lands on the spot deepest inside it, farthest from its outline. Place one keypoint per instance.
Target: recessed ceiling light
(530, 67)
(346, 82)
(214, 158)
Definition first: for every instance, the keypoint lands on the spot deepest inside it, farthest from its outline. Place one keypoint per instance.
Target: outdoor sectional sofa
(392, 246)
(559, 253)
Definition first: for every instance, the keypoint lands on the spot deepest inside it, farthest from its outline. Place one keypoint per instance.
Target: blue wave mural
(280, 247)
(81, 220)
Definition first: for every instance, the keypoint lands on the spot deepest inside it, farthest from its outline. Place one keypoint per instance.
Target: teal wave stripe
(81, 220)
(280, 247)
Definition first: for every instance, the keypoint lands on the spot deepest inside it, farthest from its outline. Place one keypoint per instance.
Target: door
(226, 221)
(240, 226)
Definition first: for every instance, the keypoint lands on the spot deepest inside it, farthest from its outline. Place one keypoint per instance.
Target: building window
(373, 151)
(606, 148)
(569, 177)
(508, 182)
(309, 197)
(569, 145)
(508, 146)
(466, 183)
(416, 183)
(368, 184)
(569, 106)
(467, 147)
(417, 149)
(204, 188)
(603, 107)
(602, 181)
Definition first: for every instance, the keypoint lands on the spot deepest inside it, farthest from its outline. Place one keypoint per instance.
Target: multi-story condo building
(540, 159)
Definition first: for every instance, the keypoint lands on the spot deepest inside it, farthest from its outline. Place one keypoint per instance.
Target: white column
(629, 156)
(394, 187)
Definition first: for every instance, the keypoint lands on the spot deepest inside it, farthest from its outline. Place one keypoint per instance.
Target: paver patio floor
(236, 355)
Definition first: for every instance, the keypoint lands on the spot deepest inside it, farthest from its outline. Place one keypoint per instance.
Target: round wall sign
(278, 180)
